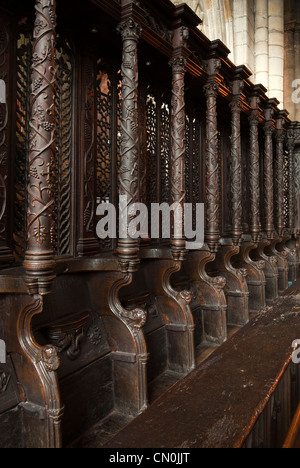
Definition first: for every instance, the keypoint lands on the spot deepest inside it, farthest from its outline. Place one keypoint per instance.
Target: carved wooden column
(271, 260)
(268, 170)
(39, 257)
(291, 196)
(212, 232)
(293, 258)
(207, 291)
(280, 138)
(38, 365)
(236, 163)
(275, 248)
(256, 280)
(129, 183)
(87, 243)
(254, 170)
(236, 289)
(178, 148)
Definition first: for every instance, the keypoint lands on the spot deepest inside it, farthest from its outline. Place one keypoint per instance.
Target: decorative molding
(43, 361)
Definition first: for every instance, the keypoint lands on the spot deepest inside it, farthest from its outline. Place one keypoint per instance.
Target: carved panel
(61, 166)
(24, 53)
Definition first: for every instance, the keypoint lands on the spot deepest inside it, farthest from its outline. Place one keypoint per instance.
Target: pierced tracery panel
(24, 53)
(165, 152)
(286, 189)
(151, 110)
(108, 92)
(61, 167)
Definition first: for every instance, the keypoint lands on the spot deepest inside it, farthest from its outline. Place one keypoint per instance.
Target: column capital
(129, 30)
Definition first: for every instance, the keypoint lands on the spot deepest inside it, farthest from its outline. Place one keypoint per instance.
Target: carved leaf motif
(40, 233)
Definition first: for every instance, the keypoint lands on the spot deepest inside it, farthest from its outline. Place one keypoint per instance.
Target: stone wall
(262, 34)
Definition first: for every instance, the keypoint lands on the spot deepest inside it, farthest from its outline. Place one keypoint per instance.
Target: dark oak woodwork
(128, 97)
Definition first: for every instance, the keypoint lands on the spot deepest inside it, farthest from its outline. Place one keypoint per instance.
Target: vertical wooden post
(39, 257)
(129, 180)
(292, 204)
(269, 171)
(87, 243)
(236, 163)
(254, 169)
(178, 143)
(279, 167)
(212, 233)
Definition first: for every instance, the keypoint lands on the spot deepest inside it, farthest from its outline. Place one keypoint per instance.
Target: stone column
(276, 49)
(261, 43)
(39, 256)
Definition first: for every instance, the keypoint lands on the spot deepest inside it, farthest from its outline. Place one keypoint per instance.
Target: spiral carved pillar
(269, 173)
(212, 233)
(39, 257)
(129, 180)
(178, 149)
(236, 164)
(254, 171)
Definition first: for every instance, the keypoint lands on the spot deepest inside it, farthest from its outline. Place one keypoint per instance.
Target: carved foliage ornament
(128, 179)
(41, 147)
(254, 176)
(212, 166)
(178, 142)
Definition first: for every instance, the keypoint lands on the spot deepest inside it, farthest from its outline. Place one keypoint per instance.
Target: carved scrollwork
(134, 318)
(219, 282)
(186, 296)
(261, 264)
(48, 355)
(44, 362)
(4, 381)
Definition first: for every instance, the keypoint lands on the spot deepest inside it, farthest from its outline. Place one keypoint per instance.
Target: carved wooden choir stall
(124, 97)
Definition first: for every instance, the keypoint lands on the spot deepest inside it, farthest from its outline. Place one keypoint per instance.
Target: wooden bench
(244, 395)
